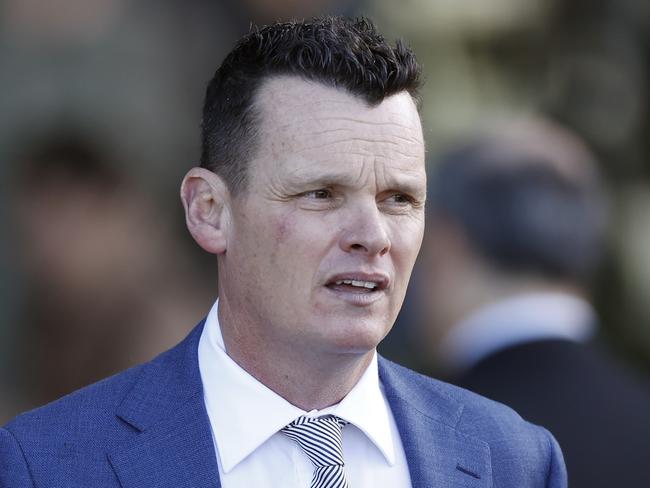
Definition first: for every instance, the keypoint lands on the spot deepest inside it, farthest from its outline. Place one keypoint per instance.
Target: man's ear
(206, 200)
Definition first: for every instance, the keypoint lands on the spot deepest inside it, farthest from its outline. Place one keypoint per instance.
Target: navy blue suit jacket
(148, 427)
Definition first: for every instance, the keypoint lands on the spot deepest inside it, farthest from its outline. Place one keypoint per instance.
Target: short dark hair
(336, 51)
(520, 212)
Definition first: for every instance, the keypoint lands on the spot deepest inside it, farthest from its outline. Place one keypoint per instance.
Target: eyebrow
(409, 186)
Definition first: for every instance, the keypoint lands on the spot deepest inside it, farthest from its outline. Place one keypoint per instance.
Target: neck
(307, 378)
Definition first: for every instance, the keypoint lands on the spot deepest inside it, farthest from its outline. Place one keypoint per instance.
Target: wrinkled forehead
(292, 105)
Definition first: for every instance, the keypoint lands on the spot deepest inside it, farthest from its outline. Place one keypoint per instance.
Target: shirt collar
(366, 408)
(523, 318)
(244, 413)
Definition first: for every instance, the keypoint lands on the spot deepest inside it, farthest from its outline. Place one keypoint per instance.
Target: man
(514, 236)
(311, 194)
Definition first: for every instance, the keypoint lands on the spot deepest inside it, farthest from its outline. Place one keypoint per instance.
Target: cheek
(280, 255)
(406, 242)
(282, 231)
(302, 244)
(300, 235)
(294, 246)
(284, 228)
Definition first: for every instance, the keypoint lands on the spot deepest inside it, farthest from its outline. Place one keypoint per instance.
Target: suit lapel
(437, 453)
(172, 445)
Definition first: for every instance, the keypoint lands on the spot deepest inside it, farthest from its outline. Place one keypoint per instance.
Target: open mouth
(354, 286)
(358, 283)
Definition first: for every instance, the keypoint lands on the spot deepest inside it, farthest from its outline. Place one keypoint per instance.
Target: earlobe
(206, 201)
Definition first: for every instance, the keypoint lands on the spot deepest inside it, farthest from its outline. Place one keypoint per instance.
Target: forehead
(290, 102)
(311, 126)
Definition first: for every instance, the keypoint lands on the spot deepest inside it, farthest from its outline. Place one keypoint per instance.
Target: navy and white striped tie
(321, 439)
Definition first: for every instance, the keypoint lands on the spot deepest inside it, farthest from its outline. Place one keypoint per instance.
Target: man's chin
(357, 339)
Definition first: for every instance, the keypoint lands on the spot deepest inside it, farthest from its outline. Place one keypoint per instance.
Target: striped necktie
(321, 439)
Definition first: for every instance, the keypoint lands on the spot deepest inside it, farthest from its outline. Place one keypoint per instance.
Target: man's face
(322, 241)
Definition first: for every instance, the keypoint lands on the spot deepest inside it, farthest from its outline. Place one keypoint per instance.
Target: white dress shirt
(517, 320)
(246, 416)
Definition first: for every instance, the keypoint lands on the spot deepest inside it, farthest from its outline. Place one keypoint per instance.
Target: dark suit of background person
(311, 194)
(515, 230)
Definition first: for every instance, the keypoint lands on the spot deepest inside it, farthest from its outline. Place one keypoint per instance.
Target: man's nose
(365, 231)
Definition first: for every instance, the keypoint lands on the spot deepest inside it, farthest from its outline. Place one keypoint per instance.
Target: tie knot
(319, 437)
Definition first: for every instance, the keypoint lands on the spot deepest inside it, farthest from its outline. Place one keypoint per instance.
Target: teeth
(363, 284)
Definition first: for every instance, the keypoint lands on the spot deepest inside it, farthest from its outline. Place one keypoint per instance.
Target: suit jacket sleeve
(14, 472)
(557, 474)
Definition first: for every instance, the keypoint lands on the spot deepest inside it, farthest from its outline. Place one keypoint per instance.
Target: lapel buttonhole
(468, 472)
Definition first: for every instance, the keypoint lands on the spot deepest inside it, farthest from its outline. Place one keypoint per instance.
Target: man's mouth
(358, 283)
(354, 286)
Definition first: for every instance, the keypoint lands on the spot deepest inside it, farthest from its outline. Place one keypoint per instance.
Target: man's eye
(320, 194)
(400, 199)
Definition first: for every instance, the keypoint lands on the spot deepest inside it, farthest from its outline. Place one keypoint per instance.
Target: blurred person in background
(107, 283)
(516, 229)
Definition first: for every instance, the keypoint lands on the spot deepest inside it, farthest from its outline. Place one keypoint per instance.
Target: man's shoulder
(85, 411)
(449, 403)
(96, 413)
(513, 443)
(64, 442)
(69, 441)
